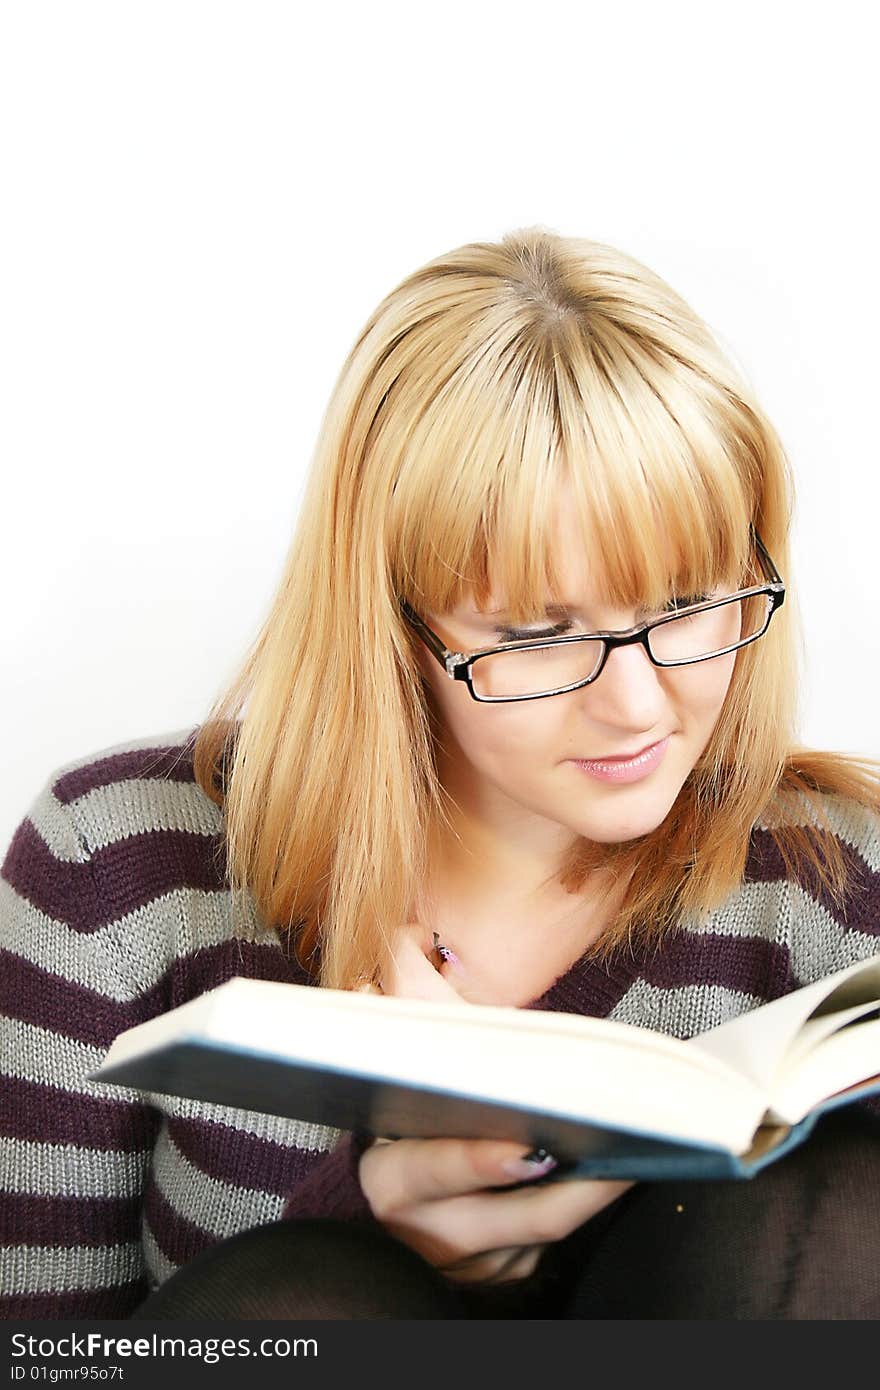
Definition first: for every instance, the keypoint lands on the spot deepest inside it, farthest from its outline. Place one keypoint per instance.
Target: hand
(411, 973)
(432, 1195)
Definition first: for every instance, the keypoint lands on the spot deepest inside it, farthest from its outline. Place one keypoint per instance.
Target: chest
(509, 959)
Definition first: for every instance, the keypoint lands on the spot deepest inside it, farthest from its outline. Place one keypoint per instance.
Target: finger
(412, 975)
(468, 1226)
(494, 1266)
(552, 1211)
(415, 1171)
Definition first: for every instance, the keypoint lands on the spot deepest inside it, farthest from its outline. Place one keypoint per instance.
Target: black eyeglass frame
(459, 665)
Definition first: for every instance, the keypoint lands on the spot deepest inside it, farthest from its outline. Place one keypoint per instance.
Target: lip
(624, 757)
(620, 769)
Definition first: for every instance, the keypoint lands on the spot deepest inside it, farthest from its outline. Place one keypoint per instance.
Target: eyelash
(516, 634)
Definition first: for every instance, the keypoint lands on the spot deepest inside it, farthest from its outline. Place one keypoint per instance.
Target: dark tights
(799, 1241)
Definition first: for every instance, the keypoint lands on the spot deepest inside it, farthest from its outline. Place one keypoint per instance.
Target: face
(511, 767)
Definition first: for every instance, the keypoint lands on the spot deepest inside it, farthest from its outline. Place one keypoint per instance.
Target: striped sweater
(114, 908)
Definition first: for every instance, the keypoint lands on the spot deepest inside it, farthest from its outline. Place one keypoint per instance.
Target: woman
(530, 440)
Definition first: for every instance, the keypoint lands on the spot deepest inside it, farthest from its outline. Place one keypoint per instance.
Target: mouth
(625, 768)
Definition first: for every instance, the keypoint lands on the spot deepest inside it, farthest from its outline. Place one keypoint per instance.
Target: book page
(844, 1060)
(757, 1043)
(822, 1026)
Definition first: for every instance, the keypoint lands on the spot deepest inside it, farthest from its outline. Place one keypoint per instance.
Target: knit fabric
(114, 908)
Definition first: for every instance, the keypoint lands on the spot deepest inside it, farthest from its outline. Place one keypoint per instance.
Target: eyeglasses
(537, 668)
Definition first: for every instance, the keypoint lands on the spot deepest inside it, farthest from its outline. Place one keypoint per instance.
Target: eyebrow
(551, 609)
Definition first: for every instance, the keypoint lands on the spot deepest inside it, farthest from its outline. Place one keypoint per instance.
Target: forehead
(576, 558)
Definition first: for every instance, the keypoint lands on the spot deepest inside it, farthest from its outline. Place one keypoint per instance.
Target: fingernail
(446, 953)
(450, 957)
(531, 1165)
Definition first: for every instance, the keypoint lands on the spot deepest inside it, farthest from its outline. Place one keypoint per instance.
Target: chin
(609, 835)
(630, 824)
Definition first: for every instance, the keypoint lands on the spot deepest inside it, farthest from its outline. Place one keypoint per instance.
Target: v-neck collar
(591, 987)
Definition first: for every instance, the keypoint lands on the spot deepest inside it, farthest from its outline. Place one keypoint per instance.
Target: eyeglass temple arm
(428, 637)
(768, 563)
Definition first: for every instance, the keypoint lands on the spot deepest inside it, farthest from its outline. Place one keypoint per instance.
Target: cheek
(702, 689)
(496, 735)
(489, 735)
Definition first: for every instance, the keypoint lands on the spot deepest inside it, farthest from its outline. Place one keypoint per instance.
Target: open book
(607, 1099)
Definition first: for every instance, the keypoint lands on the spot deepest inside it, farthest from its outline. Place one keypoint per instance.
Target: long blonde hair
(477, 384)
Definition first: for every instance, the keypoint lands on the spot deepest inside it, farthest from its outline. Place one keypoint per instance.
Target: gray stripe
(819, 944)
(25, 1048)
(29, 1269)
(214, 1206)
(132, 807)
(53, 820)
(158, 1266)
(682, 1011)
(52, 1059)
(128, 956)
(858, 825)
(54, 825)
(291, 1134)
(753, 911)
(66, 1170)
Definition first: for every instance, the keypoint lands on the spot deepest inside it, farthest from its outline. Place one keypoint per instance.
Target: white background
(202, 202)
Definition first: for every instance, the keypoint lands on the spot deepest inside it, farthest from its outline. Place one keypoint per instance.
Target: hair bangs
(480, 464)
(666, 501)
(662, 504)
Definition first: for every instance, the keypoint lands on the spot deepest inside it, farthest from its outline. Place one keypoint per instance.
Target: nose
(629, 695)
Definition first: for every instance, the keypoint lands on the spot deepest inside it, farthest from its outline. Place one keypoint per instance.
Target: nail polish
(445, 954)
(531, 1165)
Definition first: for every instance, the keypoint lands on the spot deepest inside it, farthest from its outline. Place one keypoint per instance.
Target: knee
(309, 1268)
(799, 1239)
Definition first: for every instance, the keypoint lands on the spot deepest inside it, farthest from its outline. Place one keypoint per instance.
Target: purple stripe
(29, 1219)
(244, 1160)
(763, 861)
(750, 965)
(172, 762)
(765, 864)
(179, 1240)
(134, 871)
(64, 891)
(43, 1114)
(117, 1302)
(589, 988)
(33, 995)
(746, 965)
(210, 966)
(119, 879)
(214, 965)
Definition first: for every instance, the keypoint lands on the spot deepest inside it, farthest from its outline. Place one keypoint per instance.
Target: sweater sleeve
(848, 930)
(332, 1187)
(73, 1162)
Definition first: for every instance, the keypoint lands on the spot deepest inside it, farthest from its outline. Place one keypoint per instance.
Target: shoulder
(118, 868)
(129, 811)
(129, 789)
(827, 930)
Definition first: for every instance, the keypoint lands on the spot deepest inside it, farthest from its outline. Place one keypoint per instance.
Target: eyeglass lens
(540, 670)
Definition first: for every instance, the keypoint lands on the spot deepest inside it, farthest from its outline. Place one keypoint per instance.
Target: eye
(686, 601)
(522, 634)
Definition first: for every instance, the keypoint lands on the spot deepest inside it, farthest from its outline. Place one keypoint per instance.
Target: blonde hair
(476, 386)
